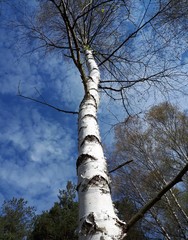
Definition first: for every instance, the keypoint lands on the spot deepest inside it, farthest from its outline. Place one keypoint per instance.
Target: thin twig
(47, 104)
(40, 95)
(42, 102)
(121, 165)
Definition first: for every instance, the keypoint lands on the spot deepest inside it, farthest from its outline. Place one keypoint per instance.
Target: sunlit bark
(97, 217)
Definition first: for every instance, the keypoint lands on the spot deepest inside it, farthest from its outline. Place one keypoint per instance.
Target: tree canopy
(157, 144)
(138, 45)
(61, 221)
(16, 219)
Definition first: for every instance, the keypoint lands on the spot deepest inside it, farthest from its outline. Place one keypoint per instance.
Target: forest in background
(156, 147)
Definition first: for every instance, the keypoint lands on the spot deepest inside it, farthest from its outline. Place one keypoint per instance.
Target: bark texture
(97, 217)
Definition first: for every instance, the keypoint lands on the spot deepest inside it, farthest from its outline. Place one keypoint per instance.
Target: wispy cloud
(38, 146)
(36, 154)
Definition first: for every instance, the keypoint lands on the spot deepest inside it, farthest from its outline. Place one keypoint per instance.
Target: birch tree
(115, 45)
(157, 144)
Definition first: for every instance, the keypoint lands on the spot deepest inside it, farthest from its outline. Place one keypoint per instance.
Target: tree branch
(45, 103)
(121, 165)
(133, 34)
(150, 204)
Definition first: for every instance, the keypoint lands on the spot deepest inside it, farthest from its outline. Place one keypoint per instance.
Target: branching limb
(153, 201)
(133, 34)
(44, 103)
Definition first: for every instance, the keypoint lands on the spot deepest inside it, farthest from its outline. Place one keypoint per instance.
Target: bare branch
(133, 34)
(121, 165)
(153, 201)
(44, 102)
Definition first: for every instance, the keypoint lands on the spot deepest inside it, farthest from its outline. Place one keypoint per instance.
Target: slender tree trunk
(163, 230)
(159, 176)
(165, 233)
(97, 217)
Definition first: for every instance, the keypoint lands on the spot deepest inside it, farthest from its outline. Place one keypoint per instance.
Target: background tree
(157, 144)
(126, 209)
(61, 221)
(128, 44)
(16, 219)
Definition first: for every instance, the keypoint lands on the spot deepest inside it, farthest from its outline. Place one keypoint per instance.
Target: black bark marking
(88, 115)
(81, 129)
(91, 138)
(93, 89)
(89, 225)
(87, 96)
(87, 104)
(97, 180)
(90, 79)
(78, 186)
(83, 158)
(95, 69)
(94, 99)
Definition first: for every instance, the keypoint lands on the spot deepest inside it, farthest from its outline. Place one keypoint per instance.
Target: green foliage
(87, 47)
(127, 209)
(16, 219)
(61, 221)
(66, 197)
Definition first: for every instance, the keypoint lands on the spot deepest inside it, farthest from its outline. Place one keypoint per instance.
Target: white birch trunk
(97, 218)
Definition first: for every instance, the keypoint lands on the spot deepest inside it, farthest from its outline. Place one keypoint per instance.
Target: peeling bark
(97, 217)
(83, 158)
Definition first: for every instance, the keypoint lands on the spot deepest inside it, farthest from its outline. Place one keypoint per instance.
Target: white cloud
(64, 81)
(37, 152)
(36, 155)
(32, 72)
(37, 149)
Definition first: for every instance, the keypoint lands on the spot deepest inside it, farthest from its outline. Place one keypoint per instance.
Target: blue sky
(38, 145)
